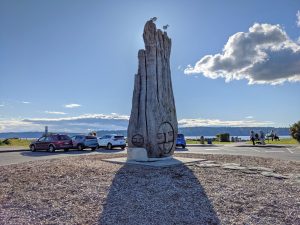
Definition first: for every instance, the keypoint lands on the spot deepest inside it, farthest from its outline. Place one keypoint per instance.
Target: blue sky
(70, 64)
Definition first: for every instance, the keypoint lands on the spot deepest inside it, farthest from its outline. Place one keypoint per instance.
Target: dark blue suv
(180, 141)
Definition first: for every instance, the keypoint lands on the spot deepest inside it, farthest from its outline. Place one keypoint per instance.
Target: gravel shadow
(146, 195)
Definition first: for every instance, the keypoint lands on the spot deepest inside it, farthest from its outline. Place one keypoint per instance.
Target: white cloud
(24, 102)
(249, 117)
(264, 55)
(217, 122)
(112, 116)
(72, 105)
(298, 18)
(55, 113)
(82, 123)
(114, 121)
(16, 125)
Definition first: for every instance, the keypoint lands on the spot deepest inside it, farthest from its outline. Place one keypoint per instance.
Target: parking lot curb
(203, 145)
(14, 150)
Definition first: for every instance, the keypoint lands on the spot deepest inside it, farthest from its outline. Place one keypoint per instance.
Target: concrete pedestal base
(137, 154)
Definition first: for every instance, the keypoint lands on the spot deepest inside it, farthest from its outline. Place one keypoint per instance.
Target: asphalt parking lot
(284, 152)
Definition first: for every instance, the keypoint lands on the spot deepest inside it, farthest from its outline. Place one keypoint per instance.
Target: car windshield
(61, 137)
(90, 137)
(180, 136)
(119, 137)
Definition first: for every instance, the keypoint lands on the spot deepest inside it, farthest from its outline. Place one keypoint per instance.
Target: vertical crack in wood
(157, 89)
(146, 95)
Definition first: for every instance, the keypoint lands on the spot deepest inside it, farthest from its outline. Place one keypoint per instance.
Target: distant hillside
(187, 131)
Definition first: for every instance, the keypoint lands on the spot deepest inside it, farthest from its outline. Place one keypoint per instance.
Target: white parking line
(274, 151)
(255, 149)
(212, 149)
(290, 150)
(237, 150)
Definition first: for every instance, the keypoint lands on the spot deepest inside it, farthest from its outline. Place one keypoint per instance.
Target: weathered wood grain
(153, 120)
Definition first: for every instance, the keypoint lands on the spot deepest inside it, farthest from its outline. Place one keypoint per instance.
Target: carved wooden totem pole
(153, 120)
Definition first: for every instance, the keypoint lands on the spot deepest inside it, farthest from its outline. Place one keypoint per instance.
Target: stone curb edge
(14, 150)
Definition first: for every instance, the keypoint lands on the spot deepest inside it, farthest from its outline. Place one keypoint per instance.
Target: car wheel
(123, 147)
(51, 148)
(183, 146)
(80, 147)
(93, 149)
(66, 149)
(32, 148)
(109, 146)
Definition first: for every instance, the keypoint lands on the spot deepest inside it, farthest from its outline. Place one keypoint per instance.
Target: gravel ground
(86, 190)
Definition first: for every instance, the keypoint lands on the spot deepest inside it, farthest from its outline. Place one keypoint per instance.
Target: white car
(110, 141)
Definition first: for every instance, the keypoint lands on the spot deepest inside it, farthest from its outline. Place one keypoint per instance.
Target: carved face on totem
(137, 140)
(165, 137)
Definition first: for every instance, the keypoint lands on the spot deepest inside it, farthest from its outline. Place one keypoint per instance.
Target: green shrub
(223, 137)
(295, 131)
(6, 142)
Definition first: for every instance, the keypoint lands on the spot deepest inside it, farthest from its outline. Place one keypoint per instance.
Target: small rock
(249, 171)
(234, 167)
(260, 168)
(231, 164)
(295, 177)
(276, 175)
(207, 165)
(209, 161)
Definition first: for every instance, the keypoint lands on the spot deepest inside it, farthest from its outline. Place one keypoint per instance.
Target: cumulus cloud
(298, 18)
(216, 122)
(24, 102)
(72, 105)
(55, 112)
(264, 55)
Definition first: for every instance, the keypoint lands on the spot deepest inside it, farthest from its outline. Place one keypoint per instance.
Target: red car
(52, 142)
